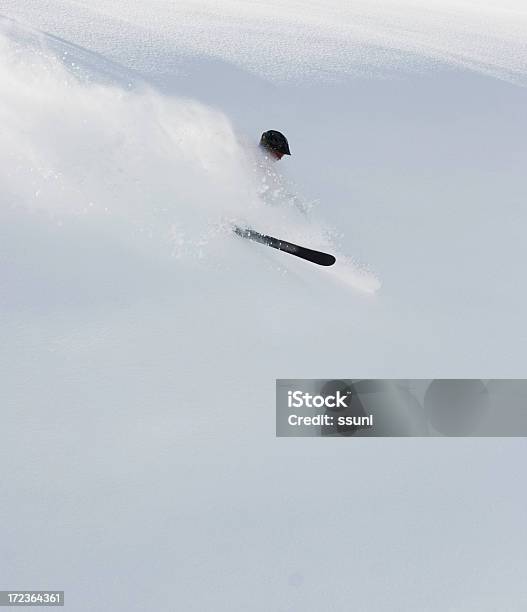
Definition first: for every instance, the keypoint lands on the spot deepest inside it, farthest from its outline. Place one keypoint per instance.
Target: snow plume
(167, 167)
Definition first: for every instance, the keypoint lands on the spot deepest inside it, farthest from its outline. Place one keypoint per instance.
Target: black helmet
(275, 141)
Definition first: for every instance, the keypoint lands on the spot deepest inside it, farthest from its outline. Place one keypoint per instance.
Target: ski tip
(328, 260)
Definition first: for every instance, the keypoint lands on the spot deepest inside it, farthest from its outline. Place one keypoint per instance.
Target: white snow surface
(141, 339)
(308, 39)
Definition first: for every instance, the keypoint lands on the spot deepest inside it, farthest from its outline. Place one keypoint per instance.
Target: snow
(141, 339)
(298, 40)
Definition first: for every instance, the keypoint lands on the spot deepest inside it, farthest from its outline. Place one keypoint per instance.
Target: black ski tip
(326, 259)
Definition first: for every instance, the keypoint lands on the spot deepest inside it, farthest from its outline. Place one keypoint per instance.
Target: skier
(275, 144)
(273, 188)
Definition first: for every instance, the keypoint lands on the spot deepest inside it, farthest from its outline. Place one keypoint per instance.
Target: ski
(317, 257)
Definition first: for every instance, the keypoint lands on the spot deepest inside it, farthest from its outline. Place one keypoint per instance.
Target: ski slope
(141, 338)
(294, 40)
